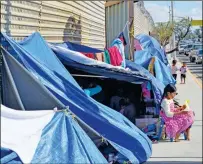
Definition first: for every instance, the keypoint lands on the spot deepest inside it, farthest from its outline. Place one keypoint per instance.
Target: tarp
(79, 61)
(113, 126)
(152, 45)
(48, 136)
(139, 74)
(77, 47)
(157, 86)
(137, 45)
(163, 73)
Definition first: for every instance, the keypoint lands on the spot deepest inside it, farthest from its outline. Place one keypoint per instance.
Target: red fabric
(115, 56)
(89, 55)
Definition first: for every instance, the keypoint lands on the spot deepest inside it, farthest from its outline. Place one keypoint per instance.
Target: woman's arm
(93, 91)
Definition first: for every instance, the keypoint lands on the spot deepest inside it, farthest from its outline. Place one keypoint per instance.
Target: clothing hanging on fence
(107, 57)
(89, 55)
(115, 56)
(119, 44)
(99, 57)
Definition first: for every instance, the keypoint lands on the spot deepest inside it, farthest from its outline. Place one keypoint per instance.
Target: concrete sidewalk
(185, 152)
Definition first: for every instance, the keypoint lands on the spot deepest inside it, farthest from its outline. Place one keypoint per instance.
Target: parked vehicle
(194, 52)
(187, 49)
(199, 57)
(181, 48)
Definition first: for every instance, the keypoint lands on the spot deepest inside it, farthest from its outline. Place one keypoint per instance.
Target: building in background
(81, 22)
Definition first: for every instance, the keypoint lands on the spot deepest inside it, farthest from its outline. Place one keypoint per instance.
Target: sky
(159, 10)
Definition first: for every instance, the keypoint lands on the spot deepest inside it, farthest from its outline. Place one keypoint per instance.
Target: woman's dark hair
(169, 88)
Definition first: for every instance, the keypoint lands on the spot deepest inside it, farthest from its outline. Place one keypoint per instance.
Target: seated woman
(176, 119)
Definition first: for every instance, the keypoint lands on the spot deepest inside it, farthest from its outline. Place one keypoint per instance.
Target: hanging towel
(89, 55)
(119, 44)
(115, 56)
(99, 56)
(107, 57)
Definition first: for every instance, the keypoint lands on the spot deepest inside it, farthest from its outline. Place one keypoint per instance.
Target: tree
(164, 32)
(181, 29)
(198, 32)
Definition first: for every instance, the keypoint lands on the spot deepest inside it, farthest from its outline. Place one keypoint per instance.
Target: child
(174, 69)
(177, 120)
(183, 71)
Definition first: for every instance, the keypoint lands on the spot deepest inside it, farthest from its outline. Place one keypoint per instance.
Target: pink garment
(178, 123)
(115, 56)
(146, 93)
(137, 45)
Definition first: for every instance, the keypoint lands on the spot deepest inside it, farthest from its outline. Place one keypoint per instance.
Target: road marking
(194, 77)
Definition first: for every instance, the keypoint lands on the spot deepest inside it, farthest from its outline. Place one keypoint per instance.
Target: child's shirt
(183, 70)
(174, 69)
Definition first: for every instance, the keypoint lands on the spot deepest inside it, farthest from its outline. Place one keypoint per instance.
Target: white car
(187, 49)
(199, 57)
(181, 48)
(194, 52)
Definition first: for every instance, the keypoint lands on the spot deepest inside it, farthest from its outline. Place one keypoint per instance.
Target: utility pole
(173, 35)
(169, 14)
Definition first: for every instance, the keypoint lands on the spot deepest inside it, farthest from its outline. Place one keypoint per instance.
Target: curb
(195, 79)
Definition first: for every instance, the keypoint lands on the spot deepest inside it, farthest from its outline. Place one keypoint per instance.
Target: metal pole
(173, 35)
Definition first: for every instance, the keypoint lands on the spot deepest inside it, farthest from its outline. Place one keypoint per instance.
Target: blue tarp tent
(152, 45)
(61, 139)
(139, 74)
(157, 86)
(163, 73)
(34, 54)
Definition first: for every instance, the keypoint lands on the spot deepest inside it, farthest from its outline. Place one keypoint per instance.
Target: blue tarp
(157, 86)
(62, 141)
(77, 47)
(139, 74)
(152, 45)
(113, 126)
(163, 73)
(76, 60)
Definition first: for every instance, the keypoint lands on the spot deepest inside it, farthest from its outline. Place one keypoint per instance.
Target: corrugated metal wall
(117, 16)
(77, 21)
(142, 23)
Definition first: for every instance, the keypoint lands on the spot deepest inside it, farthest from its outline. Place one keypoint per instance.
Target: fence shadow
(72, 31)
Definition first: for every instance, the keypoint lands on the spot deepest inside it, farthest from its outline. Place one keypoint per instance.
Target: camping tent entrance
(110, 87)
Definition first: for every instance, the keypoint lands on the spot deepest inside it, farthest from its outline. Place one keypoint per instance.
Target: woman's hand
(181, 112)
(184, 106)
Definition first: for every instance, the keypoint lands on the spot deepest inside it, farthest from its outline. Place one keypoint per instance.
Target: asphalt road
(194, 68)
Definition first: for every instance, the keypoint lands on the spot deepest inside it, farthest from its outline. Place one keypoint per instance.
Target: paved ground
(196, 69)
(184, 152)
